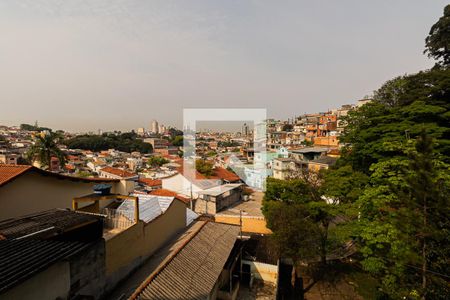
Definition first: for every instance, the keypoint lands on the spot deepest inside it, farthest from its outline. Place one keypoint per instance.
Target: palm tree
(45, 147)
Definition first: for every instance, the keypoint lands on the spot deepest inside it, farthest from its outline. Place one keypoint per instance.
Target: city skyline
(119, 65)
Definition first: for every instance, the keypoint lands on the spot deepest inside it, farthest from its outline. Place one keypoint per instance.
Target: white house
(182, 185)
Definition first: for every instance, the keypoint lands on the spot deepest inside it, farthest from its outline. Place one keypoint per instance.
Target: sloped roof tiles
(195, 268)
(9, 172)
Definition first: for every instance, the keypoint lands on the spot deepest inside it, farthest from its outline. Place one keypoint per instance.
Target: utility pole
(191, 197)
(240, 221)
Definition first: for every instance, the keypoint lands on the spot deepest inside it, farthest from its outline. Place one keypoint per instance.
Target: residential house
(9, 158)
(115, 173)
(150, 184)
(27, 189)
(308, 153)
(96, 165)
(212, 200)
(283, 168)
(222, 188)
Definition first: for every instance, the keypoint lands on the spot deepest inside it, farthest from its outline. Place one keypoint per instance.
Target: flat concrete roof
(219, 190)
(310, 149)
(248, 208)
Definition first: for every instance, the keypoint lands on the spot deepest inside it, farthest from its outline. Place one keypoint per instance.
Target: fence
(116, 219)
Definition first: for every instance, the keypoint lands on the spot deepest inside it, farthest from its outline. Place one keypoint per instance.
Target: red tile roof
(9, 172)
(225, 175)
(169, 193)
(117, 172)
(218, 173)
(150, 182)
(69, 167)
(197, 175)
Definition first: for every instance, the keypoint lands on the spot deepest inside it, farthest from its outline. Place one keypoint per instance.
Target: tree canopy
(44, 148)
(204, 167)
(156, 161)
(126, 142)
(438, 41)
(391, 185)
(400, 109)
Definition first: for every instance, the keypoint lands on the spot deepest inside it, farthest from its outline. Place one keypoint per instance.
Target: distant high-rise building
(162, 129)
(245, 129)
(141, 131)
(154, 127)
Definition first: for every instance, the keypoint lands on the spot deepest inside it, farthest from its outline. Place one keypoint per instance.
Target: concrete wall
(128, 249)
(124, 187)
(314, 167)
(202, 206)
(33, 192)
(51, 283)
(87, 271)
(231, 198)
(249, 223)
(261, 271)
(214, 204)
(326, 141)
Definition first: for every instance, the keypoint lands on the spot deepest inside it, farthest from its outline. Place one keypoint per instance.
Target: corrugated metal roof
(21, 259)
(190, 216)
(164, 202)
(194, 270)
(51, 221)
(149, 207)
(27, 244)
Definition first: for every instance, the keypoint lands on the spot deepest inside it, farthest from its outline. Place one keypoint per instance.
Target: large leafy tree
(44, 148)
(298, 217)
(400, 217)
(400, 109)
(402, 222)
(438, 41)
(304, 213)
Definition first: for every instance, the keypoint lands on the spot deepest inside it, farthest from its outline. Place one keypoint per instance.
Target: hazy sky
(84, 65)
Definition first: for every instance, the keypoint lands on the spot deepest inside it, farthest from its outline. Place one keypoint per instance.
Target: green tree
(390, 93)
(204, 167)
(156, 161)
(126, 142)
(396, 114)
(402, 222)
(177, 141)
(301, 218)
(438, 41)
(4, 143)
(399, 217)
(287, 127)
(44, 148)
